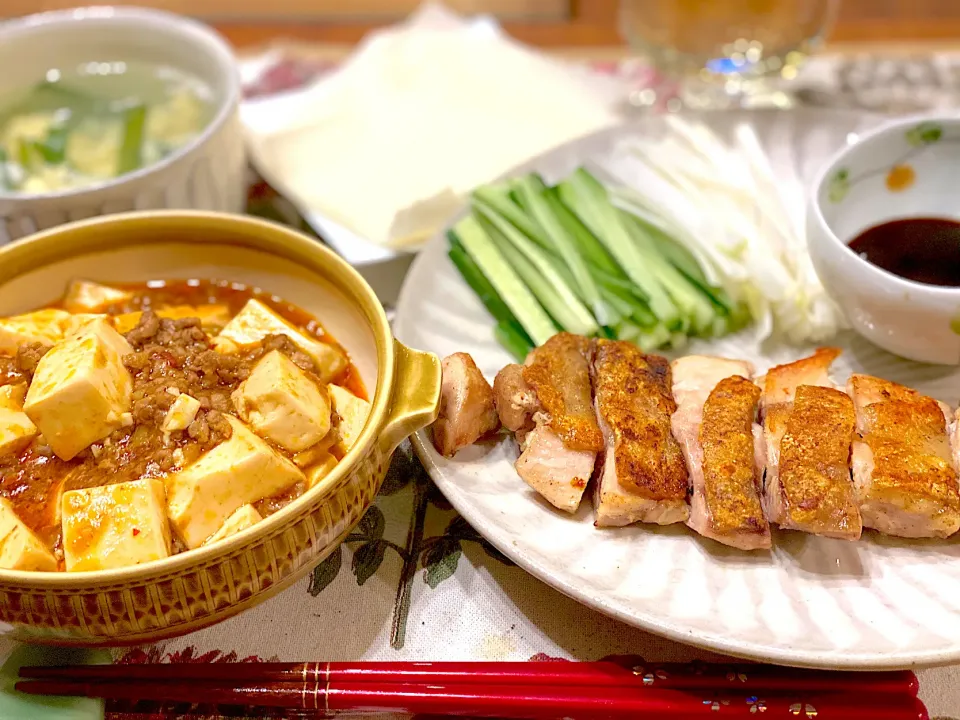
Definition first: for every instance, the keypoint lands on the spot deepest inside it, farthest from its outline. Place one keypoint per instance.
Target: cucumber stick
(654, 338)
(694, 304)
(614, 309)
(629, 307)
(479, 284)
(513, 339)
(677, 254)
(497, 199)
(534, 196)
(593, 250)
(587, 198)
(536, 269)
(531, 316)
(684, 261)
(527, 272)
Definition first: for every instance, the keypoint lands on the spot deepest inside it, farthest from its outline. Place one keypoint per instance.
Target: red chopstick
(500, 701)
(625, 672)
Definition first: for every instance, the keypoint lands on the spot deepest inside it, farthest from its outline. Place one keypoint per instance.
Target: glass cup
(724, 53)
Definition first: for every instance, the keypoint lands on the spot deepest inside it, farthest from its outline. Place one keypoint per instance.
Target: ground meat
(209, 427)
(28, 357)
(29, 480)
(169, 357)
(269, 505)
(285, 345)
(147, 327)
(176, 356)
(10, 374)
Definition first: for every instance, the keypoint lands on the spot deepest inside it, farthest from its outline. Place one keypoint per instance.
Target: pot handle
(416, 395)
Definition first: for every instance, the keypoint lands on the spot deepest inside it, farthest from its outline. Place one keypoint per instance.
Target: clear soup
(88, 124)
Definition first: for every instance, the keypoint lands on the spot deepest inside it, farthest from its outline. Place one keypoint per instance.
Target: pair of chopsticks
(583, 691)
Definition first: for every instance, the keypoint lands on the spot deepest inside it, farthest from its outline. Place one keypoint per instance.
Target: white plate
(880, 602)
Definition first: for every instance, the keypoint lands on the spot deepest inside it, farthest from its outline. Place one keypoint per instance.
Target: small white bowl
(209, 173)
(905, 169)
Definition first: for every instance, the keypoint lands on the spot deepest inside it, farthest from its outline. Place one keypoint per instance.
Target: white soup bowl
(209, 173)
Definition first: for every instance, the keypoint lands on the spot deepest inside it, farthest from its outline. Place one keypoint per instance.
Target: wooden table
(552, 23)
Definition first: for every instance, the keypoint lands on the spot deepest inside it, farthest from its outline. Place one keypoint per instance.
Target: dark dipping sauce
(925, 250)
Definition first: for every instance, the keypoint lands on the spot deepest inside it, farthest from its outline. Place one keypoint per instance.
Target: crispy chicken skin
(550, 403)
(731, 480)
(467, 412)
(817, 495)
(515, 400)
(717, 409)
(781, 382)
(808, 431)
(903, 468)
(644, 477)
(559, 373)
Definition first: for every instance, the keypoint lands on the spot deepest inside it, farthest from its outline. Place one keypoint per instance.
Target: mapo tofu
(138, 421)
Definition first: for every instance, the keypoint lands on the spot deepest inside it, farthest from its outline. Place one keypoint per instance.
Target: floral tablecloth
(414, 581)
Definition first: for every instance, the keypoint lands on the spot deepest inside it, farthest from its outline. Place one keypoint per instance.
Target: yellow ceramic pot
(198, 588)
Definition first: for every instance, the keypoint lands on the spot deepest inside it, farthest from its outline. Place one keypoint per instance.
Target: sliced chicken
(553, 393)
(515, 400)
(903, 470)
(808, 430)
(559, 373)
(714, 424)
(953, 430)
(559, 474)
(644, 477)
(467, 412)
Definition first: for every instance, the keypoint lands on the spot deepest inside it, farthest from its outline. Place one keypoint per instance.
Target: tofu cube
(281, 403)
(80, 390)
(212, 317)
(353, 414)
(114, 526)
(317, 472)
(126, 322)
(316, 453)
(20, 549)
(16, 431)
(12, 396)
(222, 345)
(181, 413)
(101, 326)
(43, 326)
(255, 321)
(80, 321)
(85, 296)
(245, 517)
(237, 472)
